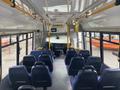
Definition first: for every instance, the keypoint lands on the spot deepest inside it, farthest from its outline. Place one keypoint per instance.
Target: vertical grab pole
(83, 37)
(90, 41)
(49, 27)
(10, 39)
(109, 37)
(32, 40)
(94, 35)
(119, 52)
(0, 58)
(26, 43)
(76, 30)
(68, 36)
(101, 47)
(17, 49)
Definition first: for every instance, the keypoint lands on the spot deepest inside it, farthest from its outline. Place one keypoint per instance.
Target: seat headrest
(46, 50)
(88, 67)
(77, 58)
(40, 68)
(110, 77)
(94, 58)
(29, 58)
(114, 72)
(71, 53)
(87, 75)
(84, 52)
(77, 61)
(18, 67)
(44, 55)
(39, 63)
(36, 54)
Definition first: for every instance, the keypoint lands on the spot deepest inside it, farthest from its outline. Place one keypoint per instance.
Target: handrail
(18, 7)
(49, 34)
(103, 7)
(92, 6)
(68, 36)
(77, 30)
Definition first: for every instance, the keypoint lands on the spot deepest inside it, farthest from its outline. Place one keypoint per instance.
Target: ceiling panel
(50, 2)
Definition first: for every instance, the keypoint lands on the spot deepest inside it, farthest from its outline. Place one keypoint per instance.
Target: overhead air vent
(117, 2)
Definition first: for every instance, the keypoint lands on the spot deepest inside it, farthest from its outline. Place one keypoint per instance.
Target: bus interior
(59, 45)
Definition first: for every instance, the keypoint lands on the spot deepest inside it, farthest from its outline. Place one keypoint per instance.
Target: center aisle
(60, 77)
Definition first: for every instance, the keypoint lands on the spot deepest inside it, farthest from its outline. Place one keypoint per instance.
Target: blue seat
(18, 76)
(40, 76)
(36, 54)
(28, 62)
(110, 79)
(47, 56)
(96, 62)
(69, 55)
(84, 53)
(85, 80)
(47, 52)
(76, 64)
(46, 59)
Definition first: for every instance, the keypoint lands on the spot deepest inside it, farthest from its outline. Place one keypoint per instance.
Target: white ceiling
(53, 6)
(50, 3)
(56, 11)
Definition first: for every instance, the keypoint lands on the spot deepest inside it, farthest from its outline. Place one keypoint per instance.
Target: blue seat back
(85, 80)
(36, 54)
(47, 60)
(18, 76)
(76, 64)
(46, 56)
(69, 55)
(47, 52)
(84, 53)
(40, 76)
(28, 61)
(96, 62)
(110, 79)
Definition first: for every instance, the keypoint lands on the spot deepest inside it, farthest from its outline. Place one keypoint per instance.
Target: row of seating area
(85, 72)
(76, 60)
(35, 70)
